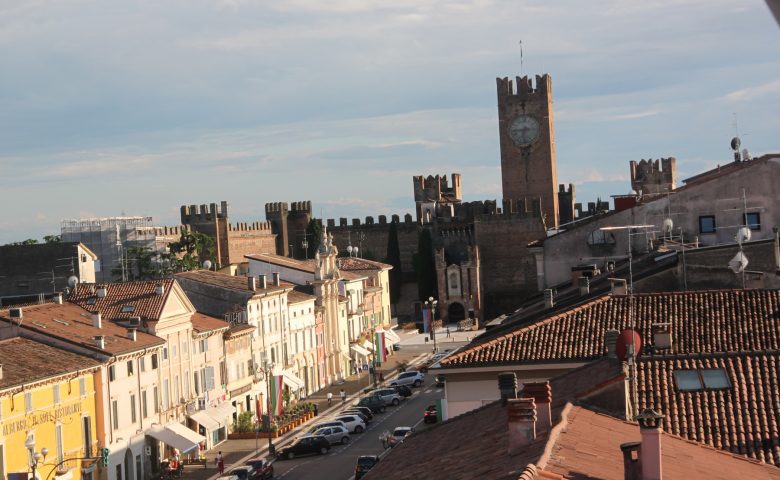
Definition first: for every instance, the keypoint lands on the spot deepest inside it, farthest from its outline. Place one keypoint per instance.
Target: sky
(138, 107)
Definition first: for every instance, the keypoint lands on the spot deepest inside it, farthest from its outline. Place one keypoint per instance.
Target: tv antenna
(521, 58)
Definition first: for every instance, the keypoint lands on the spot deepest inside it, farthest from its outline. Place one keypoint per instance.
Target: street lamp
(352, 251)
(269, 366)
(36, 457)
(431, 304)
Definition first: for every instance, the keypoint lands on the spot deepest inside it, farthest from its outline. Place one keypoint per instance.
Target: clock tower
(525, 126)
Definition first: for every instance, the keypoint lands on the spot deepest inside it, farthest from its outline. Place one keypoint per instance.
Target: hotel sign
(39, 417)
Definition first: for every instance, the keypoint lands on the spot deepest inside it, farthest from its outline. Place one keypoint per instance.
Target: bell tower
(527, 140)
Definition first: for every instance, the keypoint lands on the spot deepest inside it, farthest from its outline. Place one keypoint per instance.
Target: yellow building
(47, 403)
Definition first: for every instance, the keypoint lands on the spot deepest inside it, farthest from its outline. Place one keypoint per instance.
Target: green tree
(29, 241)
(394, 259)
(141, 263)
(424, 267)
(52, 239)
(313, 237)
(192, 249)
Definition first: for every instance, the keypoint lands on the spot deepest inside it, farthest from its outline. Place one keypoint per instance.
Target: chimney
(97, 320)
(584, 285)
(632, 466)
(610, 342)
(263, 281)
(159, 289)
(521, 414)
(619, 286)
(102, 291)
(251, 284)
(507, 385)
(132, 334)
(100, 341)
(16, 313)
(549, 300)
(650, 450)
(542, 395)
(57, 298)
(1, 371)
(662, 335)
(277, 279)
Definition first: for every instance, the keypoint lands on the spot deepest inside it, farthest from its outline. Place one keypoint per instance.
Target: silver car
(334, 434)
(334, 423)
(408, 378)
(389, 395)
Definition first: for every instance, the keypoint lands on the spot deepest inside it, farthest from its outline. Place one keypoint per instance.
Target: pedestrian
(448, 332)
(220, 463)
(381, 377)
(343, 396)
(330, 398)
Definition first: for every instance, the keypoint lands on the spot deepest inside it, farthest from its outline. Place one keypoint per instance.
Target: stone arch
(455, 312)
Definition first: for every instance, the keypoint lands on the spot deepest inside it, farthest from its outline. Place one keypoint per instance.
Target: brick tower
(527, 139)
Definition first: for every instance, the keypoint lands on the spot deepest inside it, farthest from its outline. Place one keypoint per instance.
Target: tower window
(752, 220)
(707, 224)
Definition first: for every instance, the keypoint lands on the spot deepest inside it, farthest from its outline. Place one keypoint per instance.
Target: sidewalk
(236, 452)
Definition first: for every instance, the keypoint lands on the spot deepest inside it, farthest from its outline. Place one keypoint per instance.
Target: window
(165, 353)
(707, 224)
(133, 418)
(695, 380)
(87, 431)
(91, 300)
(166, 394)
(184, 346)
(56, 390)
(119, 472)
(173, 351)
(28, 405)
(112, 373)
(154, 361)
(752, 220)
(130, 368)
(128, 308)
(156, 399)
(142, 364)
(144, 407)
(83, 387)
(204, 345)
(115, 413)
(197, 383)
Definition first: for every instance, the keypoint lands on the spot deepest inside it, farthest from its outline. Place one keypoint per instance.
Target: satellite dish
(625, 345)
(668, 225)
(743, 235)
(735, 143)
(73, 281)
(207, 264)
(738, 263)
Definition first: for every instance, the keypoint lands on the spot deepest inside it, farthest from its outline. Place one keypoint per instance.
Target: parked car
(245, 472)
(376, 404)
(364, 464)
(334, 434)
(364, 410)
(305, 445)
(388, 395)
(398, 436)
(353, 422)
(408, 378)
(360, 414)
(227, 477)
(430, 415)
(403, 390)
(396, 346)
(439, 379)
(264, 468)
(334, 423)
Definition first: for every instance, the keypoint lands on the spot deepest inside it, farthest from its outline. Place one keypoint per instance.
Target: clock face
(524, 130)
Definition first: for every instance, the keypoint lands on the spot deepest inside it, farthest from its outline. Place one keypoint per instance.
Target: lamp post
(36, 457)
(431, 304)
(269, 366)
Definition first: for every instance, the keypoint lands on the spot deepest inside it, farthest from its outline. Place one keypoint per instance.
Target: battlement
(258, 227)
(435, 188)
(200, 214)
(168, 231)
(653, 176)
(369, 221)
(301, 207)
(523, 87)
(276, 207)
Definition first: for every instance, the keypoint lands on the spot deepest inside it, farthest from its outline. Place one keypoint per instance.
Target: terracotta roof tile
(41, 361)
(233, 282)
(361, 264)
(74, 324)
(298, 297)
(702, 321)
(205, 323)
(239, 329)
(308, 266)
(124, 300)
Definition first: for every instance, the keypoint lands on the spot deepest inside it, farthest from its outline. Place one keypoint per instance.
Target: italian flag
(379, 346)
(276, 394)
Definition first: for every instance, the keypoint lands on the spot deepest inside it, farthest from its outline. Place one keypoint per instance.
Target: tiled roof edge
(552, 439)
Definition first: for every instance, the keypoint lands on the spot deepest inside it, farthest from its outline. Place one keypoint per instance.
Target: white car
(334, 434)
(414, 378)
(353, 422)
(334, 423)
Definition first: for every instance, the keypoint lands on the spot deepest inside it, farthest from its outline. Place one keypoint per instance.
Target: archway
(129, 465)
(455, 312)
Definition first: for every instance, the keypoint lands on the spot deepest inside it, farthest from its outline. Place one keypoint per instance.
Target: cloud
(754, 92)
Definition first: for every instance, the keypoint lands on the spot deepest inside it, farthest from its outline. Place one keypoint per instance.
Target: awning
(206, 420)
(360, 350)
(346, 356)
(224, 411)
(392, 337)
(293, 381)
(177, 436)
(368, 345)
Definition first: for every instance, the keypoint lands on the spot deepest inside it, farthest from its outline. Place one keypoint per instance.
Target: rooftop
(41, 361)
(308, 266)
(124, 300)
(232, 282)
(205, 323)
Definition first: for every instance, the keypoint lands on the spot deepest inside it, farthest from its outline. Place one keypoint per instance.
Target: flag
(276, 394)
(426, 320)
(380, 352)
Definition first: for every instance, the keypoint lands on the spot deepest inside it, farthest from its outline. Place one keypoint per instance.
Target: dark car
(376, 404)
(364, 410)
(430, 415)
(246, 472)
(353, 411)
(364, 464)
(439, 379)
(403, 390)
(304, 446)
(263, 469)
(396, 346)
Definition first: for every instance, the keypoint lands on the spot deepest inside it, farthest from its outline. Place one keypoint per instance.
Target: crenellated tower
(649, 178)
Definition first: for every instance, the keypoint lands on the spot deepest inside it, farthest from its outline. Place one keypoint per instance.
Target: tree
(394, 259)
(52, 239)
(424, 267)
(141, 263)
(29, 241)
(313, 237)
(192, 249)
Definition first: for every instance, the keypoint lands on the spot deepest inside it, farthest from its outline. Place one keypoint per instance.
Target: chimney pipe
(650, 450)
(102, 291)
(507, 385)
(263, 281)
(277, 279)
(521, 414)
(619, 286)
(97, 320)
(100, 342)
(1, 371)
(584, 284)
(632, 463)
(57, 298)
(132, 334)
(251, 284)
(549, 300)
(159, 289)
(542, 395)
